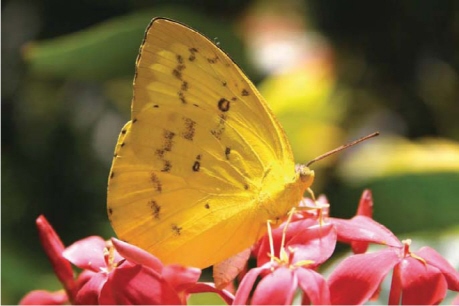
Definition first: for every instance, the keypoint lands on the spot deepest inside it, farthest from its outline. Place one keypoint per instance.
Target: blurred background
(332, 71)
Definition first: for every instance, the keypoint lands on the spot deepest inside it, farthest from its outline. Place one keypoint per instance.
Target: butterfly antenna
(343, 147)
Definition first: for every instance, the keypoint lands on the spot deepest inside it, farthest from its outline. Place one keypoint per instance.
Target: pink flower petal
(298, 233)
(42, 297)
(365, 209)
(315, 243)
(87, 253)
(137, 255)
(54, 248)
(314, 286)
(362, 228)
(84, 277)
(366, 204)
(276, 288)
(395, 287)
(246, 285)
(359, 247)
(421, 283)
(90, 291)
(435, 259)
(180, 278)
(357, 277)
(210, 287)
(137, 284)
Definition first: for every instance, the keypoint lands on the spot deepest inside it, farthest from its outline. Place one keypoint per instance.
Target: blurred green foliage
(67, 71)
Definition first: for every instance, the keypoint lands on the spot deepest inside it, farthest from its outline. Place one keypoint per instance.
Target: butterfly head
(306, 175)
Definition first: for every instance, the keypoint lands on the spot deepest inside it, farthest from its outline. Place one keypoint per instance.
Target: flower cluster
(114, 272)
(288, 262)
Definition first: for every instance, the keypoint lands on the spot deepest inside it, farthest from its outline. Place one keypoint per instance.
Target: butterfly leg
(311, 193)
(284, 231)
(271, 241)
(282, 253)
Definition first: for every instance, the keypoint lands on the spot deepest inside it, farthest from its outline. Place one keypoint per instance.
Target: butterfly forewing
(200, 146)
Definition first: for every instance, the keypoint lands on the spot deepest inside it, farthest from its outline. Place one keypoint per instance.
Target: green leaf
(100, 52)
(109, 50)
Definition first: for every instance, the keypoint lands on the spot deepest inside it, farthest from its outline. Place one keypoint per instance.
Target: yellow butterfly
(203, 164)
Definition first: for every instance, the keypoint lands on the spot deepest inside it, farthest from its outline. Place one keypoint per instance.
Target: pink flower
(307, 245)
(419, 277)
(288, 261)
(361, 230)
(365, 208)
(43, 297)
(115, 272)
(54, 248)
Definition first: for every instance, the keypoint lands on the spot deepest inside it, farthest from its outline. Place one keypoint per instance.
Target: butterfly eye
(306, 174)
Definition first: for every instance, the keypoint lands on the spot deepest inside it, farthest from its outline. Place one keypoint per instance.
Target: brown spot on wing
(227, 152)
(168, 140)
(190, 128)
(167, 166)
(159, 153)
(176, 229)
(223, 105)
(156, 182)
(196, 166)
(177, 72)
(192, 55)
(155, 208)
(218, 131)
(181, 96)
(213, 60)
